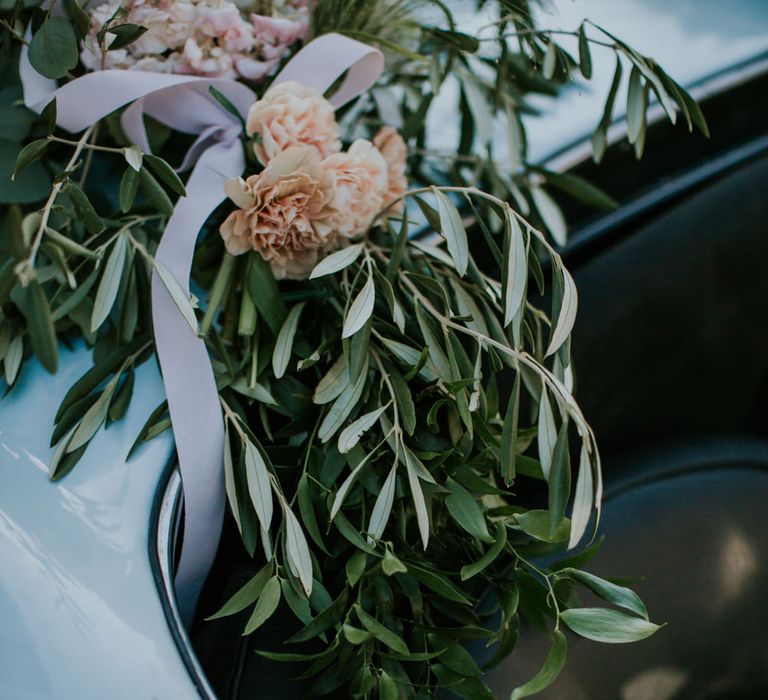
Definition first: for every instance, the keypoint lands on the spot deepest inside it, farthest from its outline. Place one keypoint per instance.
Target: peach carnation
(290, 114)
(395, 152)
(361, 182)
(284, 213)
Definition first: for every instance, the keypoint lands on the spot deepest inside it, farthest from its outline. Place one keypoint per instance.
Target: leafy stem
(29, 261)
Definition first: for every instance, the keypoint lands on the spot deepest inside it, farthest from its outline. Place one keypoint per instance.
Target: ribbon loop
(184, 103)
(323, 61)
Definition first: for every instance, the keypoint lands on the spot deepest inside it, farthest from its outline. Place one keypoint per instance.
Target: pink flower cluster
(197, 37)
(312, 197)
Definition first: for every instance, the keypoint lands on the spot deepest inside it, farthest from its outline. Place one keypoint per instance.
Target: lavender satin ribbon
(184, 104)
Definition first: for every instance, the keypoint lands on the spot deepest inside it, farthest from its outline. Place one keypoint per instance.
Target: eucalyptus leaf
(110, 283)
(324, 620)
(297, 549)
(341, 494)
(382, 507)
(350, 436)
(40, 324)
(550, 214)
(53, 48)
(635, 105)
(384, 635)
(284, 345)
(549, 671)
(259, 486)
(229, 479)
(515, 268)
(129, 187)
(166, 173)
(559, 480)
(452, 228)
(247, 595)
(607, 626)
(419, 503)
(29, 154)
(341, 408)
(613, 593)
(500, 541)
(265, 606)
(466, 511)
(177, 293)
(133, 156)
(585, 57)
(94, 417)
(582, 500)
(337, 261)
(333, 383)
(360, 310)
(566, 312)
(547, 432)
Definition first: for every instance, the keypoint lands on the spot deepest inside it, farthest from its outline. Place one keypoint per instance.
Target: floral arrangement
(200, 37)
(397, 411)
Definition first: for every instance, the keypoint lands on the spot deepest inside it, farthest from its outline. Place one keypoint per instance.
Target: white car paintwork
(80, 613)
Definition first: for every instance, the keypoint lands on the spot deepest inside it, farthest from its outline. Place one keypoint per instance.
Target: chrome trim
(168, 521)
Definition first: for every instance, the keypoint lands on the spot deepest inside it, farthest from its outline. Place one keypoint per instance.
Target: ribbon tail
(193, 399)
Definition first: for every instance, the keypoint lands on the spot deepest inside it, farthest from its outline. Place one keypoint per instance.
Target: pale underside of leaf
(382, 507)
(337, 261)
(583, 499)
(360, 310)
(297, 550)
(259, 488)
(284, 345)
(350, 436)
(422, 517)
(453, 231)
(516, 269)
(567, 315)
(547, 432)
(110, 283)
(179, 296)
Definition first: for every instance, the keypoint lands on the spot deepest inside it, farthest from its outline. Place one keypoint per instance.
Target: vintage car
(671, 371)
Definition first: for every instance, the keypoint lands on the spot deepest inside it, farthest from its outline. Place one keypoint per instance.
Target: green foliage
(53, 49)
(383, 416)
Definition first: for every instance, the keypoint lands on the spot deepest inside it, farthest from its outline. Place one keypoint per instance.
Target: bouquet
(363, 365)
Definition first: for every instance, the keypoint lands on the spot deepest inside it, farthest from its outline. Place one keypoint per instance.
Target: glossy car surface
(672, 292)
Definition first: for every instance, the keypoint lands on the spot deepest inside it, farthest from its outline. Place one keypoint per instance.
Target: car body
(86, 594)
